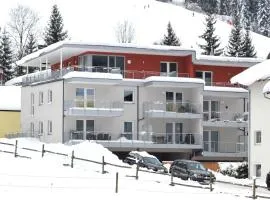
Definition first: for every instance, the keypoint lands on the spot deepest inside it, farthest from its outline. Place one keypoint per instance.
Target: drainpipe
(249, 133)
(138, 110)
(63, 116)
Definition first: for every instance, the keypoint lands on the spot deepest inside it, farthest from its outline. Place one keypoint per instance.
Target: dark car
(193, 170)
(145, 160)
(268, 180)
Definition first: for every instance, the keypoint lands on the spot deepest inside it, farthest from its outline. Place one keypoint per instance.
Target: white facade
(161, 114)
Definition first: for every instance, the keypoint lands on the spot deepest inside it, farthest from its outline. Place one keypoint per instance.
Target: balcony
(185, 110)
(159, 142)
(225, 149)
(225, 119)
(92, 108)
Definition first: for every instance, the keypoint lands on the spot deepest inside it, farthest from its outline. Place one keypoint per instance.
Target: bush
(236, 170)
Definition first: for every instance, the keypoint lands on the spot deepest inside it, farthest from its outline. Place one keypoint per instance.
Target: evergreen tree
(247, 49)
(209, 6)
(212, 41)
(254, 10)
(223, 7)
(31, 45)
(54, 31)
(235, 40)
(6, 55)
(170, 39)
(264, 17)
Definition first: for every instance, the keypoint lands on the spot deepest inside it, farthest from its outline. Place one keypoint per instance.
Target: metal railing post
(116, 184)
(16, 148)
(137, 172)
(254, 188)
(103, 164)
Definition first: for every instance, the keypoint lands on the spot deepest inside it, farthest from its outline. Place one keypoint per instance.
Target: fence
(103, 163)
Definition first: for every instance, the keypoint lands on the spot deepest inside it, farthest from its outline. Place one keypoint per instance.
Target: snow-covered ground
(48, 178)
(97, 20)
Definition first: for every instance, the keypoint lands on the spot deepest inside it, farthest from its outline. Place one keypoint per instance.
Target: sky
(48, 178)
(97, 21)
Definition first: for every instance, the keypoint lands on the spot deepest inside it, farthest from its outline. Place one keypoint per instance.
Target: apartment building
(160, 99)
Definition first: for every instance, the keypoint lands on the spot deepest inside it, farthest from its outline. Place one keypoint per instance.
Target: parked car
(193, 170)
(143, 159)
(268, 180)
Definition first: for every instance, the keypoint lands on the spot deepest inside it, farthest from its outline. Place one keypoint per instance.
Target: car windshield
(196, 166)
(152, 160)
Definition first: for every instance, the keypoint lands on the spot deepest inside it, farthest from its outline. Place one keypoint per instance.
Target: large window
(174, 101)
(41, 98)
(168, 69)
(128, 96)
(258, 137)
(102, 63)
(32, 129)
(85, 97)
(206, 76)
(211, 110)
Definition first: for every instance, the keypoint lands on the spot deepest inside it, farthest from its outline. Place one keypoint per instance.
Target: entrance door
(178, 130)
(169, 132)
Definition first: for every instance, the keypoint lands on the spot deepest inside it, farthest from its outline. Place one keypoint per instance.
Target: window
(40, 98)
(32, 104)
(49, 96)
(128, 96)
(85, 97)
(258, 170)
(128, 127)
(174, 101)
(32, 129)
(49, 127)
(79, 125)
(206, 76)
(258, 137)
(168, 69)
(40, 128)
(211, 110)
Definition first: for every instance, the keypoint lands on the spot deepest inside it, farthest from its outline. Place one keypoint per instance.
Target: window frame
(203, 76)
(125, 122)
(258, 172)
(132, 92)
(258, 140)
(40, 128)
(41, 98)
(32, 129)
(49, 96)
(32, 102)
(49, 127)
(168, 68)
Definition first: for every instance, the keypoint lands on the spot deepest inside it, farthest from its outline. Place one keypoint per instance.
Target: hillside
(97, 20)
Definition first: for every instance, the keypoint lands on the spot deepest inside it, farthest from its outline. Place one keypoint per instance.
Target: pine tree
(209, 6)
(31, 45)
(212, 41)
(247, 49)
(54, 31)
(223, 7)
(170, 39)
(264, 17)
(235, 40)
(6, 55)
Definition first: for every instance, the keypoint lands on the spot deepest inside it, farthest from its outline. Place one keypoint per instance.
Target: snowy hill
(48, 178)
(97, 20)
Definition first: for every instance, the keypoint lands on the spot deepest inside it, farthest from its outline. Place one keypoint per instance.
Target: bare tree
(23, 23)
(125, 32)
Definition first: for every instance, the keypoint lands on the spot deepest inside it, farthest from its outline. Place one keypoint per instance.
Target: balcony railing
(178, 107)
(225, 116)
(93, 108)
(151, 138)
(225, 147)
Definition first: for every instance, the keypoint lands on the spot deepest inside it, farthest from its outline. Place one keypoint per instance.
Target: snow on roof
(253, 74)
(224, 89)
(15, 81)
(10, 98)
(174, 79)
(93, 75)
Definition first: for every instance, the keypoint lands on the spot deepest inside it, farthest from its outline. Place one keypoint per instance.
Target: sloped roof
(10, 98)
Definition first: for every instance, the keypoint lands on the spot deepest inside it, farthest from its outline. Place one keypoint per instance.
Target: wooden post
(103, 165)
(211, 182)
(254, 188)
(43, 150)
(137, 172)
(16, 147)
(116, 184)
(72, 158)
(172, 184)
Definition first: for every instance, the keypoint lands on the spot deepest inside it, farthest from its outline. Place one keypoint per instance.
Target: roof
(51, 54)
(225, 89)
(255, 73)
(10, 98)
